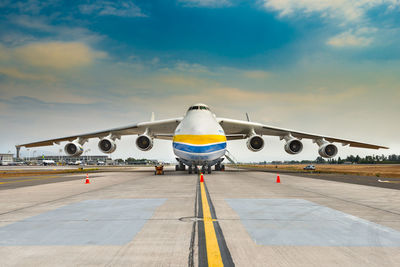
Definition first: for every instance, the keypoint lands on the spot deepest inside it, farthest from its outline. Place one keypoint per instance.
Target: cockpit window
(199, 107)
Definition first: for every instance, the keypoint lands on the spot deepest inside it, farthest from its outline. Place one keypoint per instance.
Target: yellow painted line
(213, 252)
(199, 139)
(27, 180)
(28, 177)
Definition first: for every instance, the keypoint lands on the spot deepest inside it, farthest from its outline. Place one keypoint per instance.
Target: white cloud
(347, 10)
(349, 15)
(351, 39)
(17, 74)
(112, 8)
(59, 55)
(206, 3)
(45, 25)
(42, 61)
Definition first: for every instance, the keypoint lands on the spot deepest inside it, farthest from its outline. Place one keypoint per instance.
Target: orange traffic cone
(87, 179)
(201, 178)
(278, 179)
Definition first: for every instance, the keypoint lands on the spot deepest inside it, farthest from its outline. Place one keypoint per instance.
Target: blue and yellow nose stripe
(204, 139)
(199, 143)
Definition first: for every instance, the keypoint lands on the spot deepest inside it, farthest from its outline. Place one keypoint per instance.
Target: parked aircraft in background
(48, 162)
(199, 138)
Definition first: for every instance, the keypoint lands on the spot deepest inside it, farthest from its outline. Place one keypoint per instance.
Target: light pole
(29, 154)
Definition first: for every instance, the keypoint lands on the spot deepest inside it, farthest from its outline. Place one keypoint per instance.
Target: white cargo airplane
(199, 138)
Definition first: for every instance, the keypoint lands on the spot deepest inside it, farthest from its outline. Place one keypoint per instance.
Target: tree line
(374, 159)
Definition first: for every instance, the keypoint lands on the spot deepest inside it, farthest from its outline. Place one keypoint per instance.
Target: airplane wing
(161, 129)
(237, 129)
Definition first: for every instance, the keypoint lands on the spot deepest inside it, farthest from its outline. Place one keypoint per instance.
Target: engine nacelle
(73, 149)
(293, 146)
(328, 150)
(255, 143)
(107, 145)
(144, 142)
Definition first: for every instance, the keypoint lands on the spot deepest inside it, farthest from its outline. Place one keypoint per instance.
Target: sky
(324, 67)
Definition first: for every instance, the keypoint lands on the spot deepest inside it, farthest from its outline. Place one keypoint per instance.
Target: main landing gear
(204, 169)
(192, 169)
(219, 167)
(180, 167)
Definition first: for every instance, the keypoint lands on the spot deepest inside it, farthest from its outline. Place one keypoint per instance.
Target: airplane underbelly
(204, 153)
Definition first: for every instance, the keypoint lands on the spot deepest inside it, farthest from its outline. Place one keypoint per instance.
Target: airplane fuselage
(199, 139)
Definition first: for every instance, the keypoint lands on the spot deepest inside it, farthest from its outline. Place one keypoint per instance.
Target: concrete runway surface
(236, 217)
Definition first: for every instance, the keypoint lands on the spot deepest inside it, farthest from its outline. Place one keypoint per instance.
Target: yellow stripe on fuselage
(199, 139)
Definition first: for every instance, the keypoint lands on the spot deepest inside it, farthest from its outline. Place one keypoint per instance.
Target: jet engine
(107, 145)
(328, 150)
(144, 142)
(255, 143)
(73, 149)
(293, 146)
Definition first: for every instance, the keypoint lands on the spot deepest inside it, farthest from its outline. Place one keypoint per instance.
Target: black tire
(222, 167)
(190, 169)
(209, 170)
(177, 168)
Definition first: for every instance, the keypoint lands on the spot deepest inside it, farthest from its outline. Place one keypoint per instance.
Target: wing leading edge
(162, 129)
(237, 129)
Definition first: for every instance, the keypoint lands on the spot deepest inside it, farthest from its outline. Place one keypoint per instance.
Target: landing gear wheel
(222, 167)
(196, 170)
(190, 169)
(182, 167)
(177, 168)
(209, 169)
(218, 167)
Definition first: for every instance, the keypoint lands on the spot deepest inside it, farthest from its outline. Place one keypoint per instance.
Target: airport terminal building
(93, 160)
(6, 158)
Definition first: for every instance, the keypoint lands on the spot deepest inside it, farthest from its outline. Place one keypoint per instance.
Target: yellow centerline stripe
(213, 252)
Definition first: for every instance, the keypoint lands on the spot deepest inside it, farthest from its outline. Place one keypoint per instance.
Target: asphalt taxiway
(241, 218)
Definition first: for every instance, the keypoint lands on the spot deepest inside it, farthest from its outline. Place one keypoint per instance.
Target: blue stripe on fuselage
(199, 149)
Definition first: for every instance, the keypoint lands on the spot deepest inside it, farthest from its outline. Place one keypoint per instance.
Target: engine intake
(328, 150)
(144, 142)
(293, 146)
(107, 145)
(73, 149)
(255, 143)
